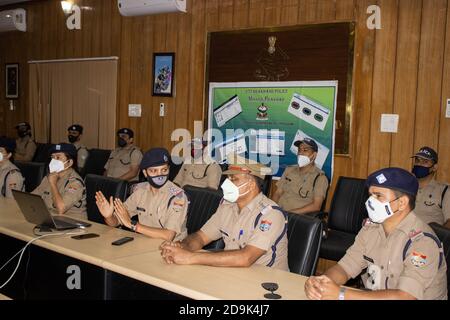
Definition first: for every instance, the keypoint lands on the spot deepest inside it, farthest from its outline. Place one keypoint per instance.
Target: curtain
(69, 92)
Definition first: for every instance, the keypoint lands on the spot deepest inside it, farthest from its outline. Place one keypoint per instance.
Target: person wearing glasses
(62, 189)
(123, 163)
(433, 197)
(303, 187)
(199, 173)
(252, 226)
(160, 205)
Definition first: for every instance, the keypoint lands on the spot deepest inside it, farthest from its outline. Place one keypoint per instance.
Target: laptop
(35, 211)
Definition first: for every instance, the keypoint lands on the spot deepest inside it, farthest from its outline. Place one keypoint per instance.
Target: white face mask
(231, 191)
(56, 166)
(377, 210)
(303, 161)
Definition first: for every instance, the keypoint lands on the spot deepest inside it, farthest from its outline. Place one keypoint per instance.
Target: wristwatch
(342, 293)
(134, 225)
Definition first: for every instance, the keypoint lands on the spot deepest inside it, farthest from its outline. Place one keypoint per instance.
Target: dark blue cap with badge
(8, 143)
(154, 157)
(309, 142)
(67, 148)
(396, 179)
(76, 127)
(427, 153)
(127, 131)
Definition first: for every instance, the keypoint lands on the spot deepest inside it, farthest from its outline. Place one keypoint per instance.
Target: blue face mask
(421, 172)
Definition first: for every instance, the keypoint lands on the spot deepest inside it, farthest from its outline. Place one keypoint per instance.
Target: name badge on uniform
(368, 259)
(140, 209)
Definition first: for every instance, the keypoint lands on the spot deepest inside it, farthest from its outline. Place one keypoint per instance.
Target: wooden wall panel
(406, 81)
(383, 84)
(403, 68)
(289, 12)
(431, 61)
(444, 124)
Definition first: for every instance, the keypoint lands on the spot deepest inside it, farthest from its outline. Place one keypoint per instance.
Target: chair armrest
(317, 214)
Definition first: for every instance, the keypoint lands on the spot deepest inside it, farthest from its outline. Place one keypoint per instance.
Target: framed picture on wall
(12, 80)
(163, 74)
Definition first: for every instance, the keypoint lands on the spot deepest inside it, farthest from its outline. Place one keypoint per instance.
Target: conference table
(60, 267)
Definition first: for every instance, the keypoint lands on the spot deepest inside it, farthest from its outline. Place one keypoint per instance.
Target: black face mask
(22, 134)
(158, 181)
(72, 139)
(121, 142)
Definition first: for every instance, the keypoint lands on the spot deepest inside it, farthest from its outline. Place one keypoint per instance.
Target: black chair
(203, 203)
(347, 213)
(33, 172)
(174, 169)
(109, 186)
(304, 238)
(444, 235)
(42, 153)
(96, 161)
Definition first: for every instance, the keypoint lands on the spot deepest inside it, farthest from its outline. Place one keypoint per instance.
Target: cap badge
(381, 179)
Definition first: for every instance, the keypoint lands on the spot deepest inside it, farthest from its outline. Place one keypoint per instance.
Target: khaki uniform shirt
(258, 225)
(10, 179)
(25, 149)
(167, 209)
(120, 161)
(199, 175)
(299, 190)
(417, 273)
(72, 190)
(429, 204)
(82, 154)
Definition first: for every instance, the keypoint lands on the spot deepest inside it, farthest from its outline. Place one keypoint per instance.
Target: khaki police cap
(238, 165)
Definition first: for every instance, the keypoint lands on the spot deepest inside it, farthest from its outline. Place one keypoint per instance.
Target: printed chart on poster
(262, 120)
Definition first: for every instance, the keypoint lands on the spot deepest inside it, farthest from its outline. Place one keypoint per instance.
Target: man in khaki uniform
(123, 163)
(10, 176)
(199, 173)
(25, 146)
(303, 187)
(253, 226)
(433, 198)
(62, 189)
(75, 132)
(403, 256)
(161, 206)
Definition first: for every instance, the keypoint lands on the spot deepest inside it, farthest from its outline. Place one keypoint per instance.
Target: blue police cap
(309, 142)
(427, 153)
(155, 157)
(76, 127)
(64, 147)
(396, 179)
(8, 143)
(127, 131)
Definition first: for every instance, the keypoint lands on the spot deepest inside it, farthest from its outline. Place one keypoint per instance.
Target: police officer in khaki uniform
(199, 173)
(253, 226)
(403, 257)
(161, 206)
(75, 132)
(123, 163)
(10, 176)
(62, 189)
(433, 198)
(25, 146)
(303, 187)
